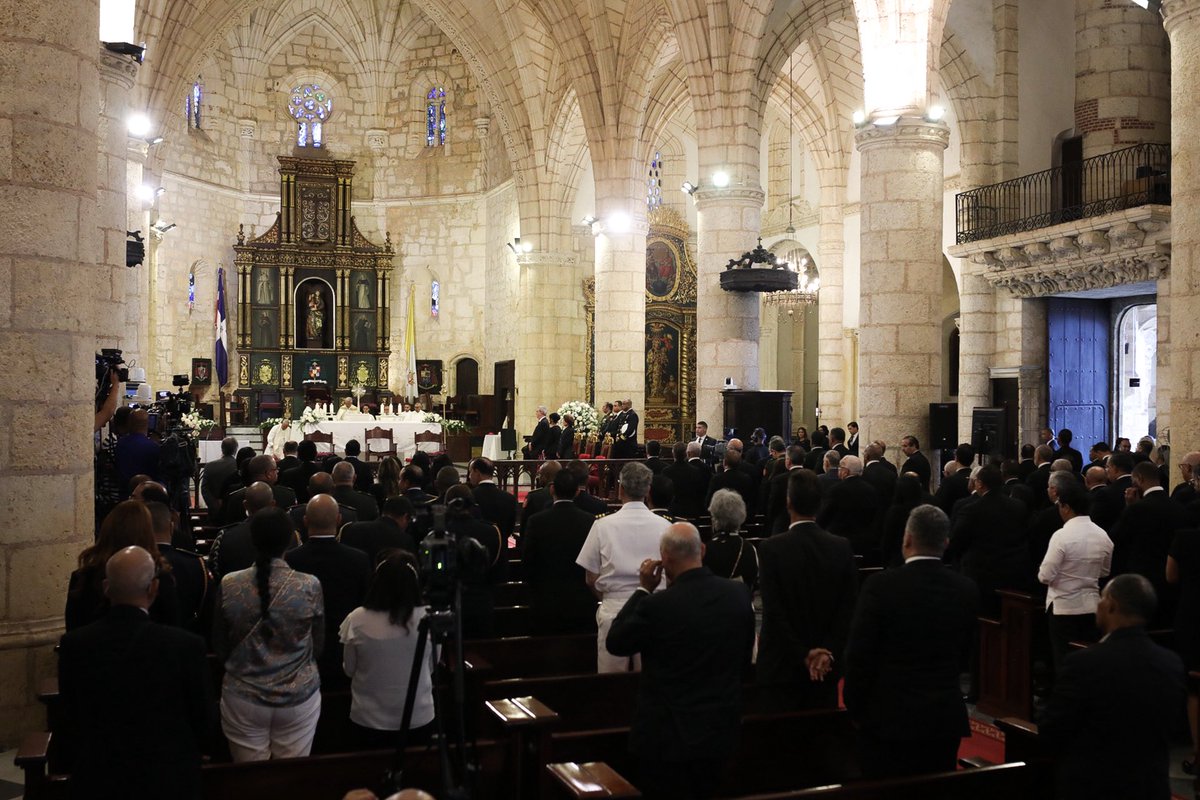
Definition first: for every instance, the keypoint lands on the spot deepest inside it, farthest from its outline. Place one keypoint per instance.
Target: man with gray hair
(136, 697)
(540, 438)
(615, 549)
(912, 628)
(364, 505)
(851, 509)
(831, 475)
(694, 638)
(216, 472)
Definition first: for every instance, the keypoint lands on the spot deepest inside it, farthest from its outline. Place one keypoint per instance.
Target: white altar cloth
(403, 434)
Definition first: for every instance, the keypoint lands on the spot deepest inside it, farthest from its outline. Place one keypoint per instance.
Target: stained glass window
(191, 105)
(435, 299)
(311, 106)
(435, 117)
(654, 196)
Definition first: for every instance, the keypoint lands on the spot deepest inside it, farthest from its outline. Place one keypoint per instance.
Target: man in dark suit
(1108, 510)
(232, 549)
(911, 631)
(852, 441)
(390, 531)
(954, 486)
(289, 459)
(561, 600)
(1097, 456)
(878, 473)
(689, 479)
(364, 505)
(852, 508)
(1116, 705)
(540, 498)
(584, 499)
(1026, 464)
(653, 456)
(297, 477)
(837, 441)
(752, 471)
(1065, 450)
(915, 461)
(188, 571)
(777, 495)
(319, 483)
(496, 506)
(732, 477)
(1014, 487)
(136, 698)
(540, 437)
(831, 474)
(988, 541)
(809, 582)
(551, 450)
(1189, 468)
(363, 476)
(216, 472)
(260, 468)
(343, 572)
(627, 434)
(1142, 537)
(706, 442)
(695, 639)
(1043, 457)
(814, 459)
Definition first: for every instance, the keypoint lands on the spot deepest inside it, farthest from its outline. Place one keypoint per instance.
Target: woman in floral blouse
(269, 628)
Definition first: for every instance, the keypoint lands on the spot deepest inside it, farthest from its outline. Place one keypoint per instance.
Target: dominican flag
(222, 345)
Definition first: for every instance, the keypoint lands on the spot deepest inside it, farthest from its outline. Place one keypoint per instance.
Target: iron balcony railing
(1134, 176)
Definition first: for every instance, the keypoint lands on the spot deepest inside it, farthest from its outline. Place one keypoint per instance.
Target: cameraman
(479, 550)
(109, 406)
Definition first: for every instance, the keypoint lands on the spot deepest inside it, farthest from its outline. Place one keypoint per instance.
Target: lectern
(747, 409)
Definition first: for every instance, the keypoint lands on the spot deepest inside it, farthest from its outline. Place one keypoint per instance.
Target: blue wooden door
(1079, 366)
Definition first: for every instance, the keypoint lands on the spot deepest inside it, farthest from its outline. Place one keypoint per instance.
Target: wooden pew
(999, 782)
(1006, 656)
(531, 656)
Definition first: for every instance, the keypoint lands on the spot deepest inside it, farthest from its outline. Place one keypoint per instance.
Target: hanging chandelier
(808, 283)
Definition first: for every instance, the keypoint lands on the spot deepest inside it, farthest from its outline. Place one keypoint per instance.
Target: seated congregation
(733, 621)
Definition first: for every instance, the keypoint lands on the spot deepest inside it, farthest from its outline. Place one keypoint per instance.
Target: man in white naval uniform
(613, 553)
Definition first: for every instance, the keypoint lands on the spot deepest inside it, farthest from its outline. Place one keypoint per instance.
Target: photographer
(478, 553)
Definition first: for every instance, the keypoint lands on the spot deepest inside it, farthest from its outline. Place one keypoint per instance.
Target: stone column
(550, 365)
(728, 221)
(832, 368)
(1122, 79)
(53, 299)
(115, 184)
(1180, 364)
(976, 344)
(901, 277)
(620, 334)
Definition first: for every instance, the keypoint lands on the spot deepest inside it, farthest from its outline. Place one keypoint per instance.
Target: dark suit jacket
(852, 509)
(561, 600)
(540, 438)
(214, 476)
(1107, 508)
(883, 477)
(814, 459)
(1141, 541)
(988, 543)
(536, 501)
(952, 490)
(297, 477)
(1025, 468)
(364, 505)
(343, 572)
(138, 706)
(497, 507)
(364, 478)
(656, 464)
(919, 464)
(1072, 455)
(1020, 492)
(232, 550)
(738, 481)
(1111, 716)
(911, 630)
(286, 463)
(591, 504)
(233, 509)
(375, 536)
(809, 584)
(777, 515)
(296, 512)
(1037, 482)
(691, 486)
(191, 587)
(566, 442)
(552, 440)
(695, 639)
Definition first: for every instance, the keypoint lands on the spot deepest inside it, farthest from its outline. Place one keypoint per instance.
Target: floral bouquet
(196, 423)
(448, 425)
(267, 424)
(311, 417)
(586, 418)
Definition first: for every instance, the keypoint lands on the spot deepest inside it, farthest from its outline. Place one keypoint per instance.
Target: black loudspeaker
(988, 430)
(943, 426)
(508, 439)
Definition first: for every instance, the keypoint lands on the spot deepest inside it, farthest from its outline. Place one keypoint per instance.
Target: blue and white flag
(222, 346)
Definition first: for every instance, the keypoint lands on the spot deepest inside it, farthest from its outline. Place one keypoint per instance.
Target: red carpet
(986, 741)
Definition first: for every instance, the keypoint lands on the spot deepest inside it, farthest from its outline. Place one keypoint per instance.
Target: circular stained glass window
(310, 103)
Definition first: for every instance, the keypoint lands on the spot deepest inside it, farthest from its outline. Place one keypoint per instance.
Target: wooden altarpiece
(312, 295)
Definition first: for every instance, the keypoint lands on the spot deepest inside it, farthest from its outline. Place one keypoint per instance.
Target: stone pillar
(976, 344)
(832, 366)
(1122, 78)
(620, 334)
(114, 179)
(550, 364)
(901, 277)
(1180, 364)
(53, 299)
(728, 221)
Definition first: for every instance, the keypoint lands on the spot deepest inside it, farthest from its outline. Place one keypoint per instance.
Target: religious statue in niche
(364, 333)
(662, 368)
(263, 295)
(265, 326)
(362, 292)
(314, 314)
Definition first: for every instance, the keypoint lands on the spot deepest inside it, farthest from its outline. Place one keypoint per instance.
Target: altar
(403, 434)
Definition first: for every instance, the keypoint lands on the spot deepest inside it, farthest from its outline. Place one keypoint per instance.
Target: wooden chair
(321, 438)
(270, 404)
(233, 410)
(376, 434)
(431, 436)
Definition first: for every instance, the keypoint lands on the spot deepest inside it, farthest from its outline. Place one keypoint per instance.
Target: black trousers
(1067, 628)
(898, 758)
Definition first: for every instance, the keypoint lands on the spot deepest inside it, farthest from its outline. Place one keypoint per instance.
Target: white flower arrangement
(448, 425)
(195, 422)
(268, 424)
(586, 418)
(311, 417)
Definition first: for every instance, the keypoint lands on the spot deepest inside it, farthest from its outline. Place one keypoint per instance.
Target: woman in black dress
(728, 554)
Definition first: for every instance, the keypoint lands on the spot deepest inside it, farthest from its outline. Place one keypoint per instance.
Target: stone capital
(709, 196)
(906, 131)
(1179, 12)
(118, 69)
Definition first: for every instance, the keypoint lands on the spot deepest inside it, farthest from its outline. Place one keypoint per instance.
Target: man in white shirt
(1080, 553)
(613, 553)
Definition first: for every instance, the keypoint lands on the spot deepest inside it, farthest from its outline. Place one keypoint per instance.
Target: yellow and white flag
(410, 345)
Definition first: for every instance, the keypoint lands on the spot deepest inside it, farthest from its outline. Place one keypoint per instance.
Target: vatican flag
(410, 345)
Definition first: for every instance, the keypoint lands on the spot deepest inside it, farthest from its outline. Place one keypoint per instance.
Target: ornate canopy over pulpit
(312, 293)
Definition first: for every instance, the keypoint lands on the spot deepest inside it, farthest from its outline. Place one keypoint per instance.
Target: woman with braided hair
(268, 629)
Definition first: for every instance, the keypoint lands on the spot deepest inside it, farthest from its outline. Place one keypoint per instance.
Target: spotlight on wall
(687, 187)
(518, 247)
(162, 226)
(589, 220)
(146, 193)
(859, 118)
(160, 191)
(935, 113)
(618, 222)
(153, 140)
(720, 179)
(138, 125)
